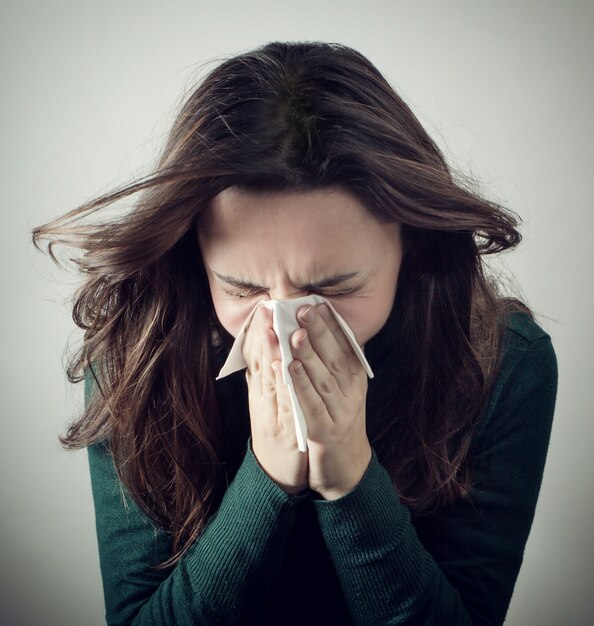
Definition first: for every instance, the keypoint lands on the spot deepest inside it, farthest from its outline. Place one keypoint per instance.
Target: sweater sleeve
(457, 567)
(223, 578)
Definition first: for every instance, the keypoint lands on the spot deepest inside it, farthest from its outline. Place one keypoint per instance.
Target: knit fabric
(267, 557)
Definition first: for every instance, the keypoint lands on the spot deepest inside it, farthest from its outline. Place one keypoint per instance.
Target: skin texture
(284, 245)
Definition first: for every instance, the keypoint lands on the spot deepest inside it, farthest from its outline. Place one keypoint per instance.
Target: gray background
(88, 92)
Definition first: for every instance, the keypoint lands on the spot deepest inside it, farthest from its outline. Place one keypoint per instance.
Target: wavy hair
(293, 116)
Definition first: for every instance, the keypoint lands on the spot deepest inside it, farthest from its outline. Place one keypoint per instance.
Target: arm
(222, 579)
(458, 567)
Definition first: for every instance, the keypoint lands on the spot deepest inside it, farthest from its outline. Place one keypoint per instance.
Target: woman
(292, 170)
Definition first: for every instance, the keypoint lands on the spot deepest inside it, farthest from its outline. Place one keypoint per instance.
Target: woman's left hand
(331, 386)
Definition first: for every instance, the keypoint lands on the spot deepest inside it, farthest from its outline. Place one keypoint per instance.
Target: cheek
(364, 316)
(232, 314)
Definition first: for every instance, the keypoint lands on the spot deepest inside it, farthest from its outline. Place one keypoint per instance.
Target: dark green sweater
(267, 557)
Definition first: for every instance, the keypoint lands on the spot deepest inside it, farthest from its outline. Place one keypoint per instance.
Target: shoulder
(526, 384)
(104, 479)
(525, 346)
(527, 352)
(522, 328)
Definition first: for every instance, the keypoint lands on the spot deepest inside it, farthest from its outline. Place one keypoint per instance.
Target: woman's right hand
(274, 441)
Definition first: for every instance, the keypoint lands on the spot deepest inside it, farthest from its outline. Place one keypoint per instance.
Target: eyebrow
(331, 281)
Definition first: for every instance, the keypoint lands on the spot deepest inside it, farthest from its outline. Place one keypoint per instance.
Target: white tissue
(284, 322)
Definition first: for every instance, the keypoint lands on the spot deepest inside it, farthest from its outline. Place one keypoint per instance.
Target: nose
(286, 293)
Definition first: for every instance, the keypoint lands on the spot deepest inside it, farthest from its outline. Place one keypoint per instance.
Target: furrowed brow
(236, 282)
(332, 281)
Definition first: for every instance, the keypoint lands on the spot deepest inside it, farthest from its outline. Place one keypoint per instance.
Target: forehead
(235, 211)
(304, 235)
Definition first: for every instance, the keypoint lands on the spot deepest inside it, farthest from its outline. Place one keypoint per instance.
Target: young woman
(292, 170)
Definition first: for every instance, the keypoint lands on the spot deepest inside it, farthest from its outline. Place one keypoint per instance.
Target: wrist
(346, 478)
(294, 482)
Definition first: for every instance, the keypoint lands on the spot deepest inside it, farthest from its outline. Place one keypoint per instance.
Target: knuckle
(339, 363)
(307, 357)
(285, 412)
(328, 386)
(269, 386)
(319, 332)
(307, 353)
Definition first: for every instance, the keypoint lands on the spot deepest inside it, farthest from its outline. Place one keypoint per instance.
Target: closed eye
(243, 294)
(252, 293)
(338, 294)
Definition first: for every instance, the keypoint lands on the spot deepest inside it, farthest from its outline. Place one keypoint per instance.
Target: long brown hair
(285, 116)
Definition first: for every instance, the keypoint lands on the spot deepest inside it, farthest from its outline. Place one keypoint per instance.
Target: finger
(321, 378)
(269, 343)
(353, 365)
(317, 417)
(326, 314)
(253, 348)
(286, 419)
(250, 345)
(333, 349)
(321, 326)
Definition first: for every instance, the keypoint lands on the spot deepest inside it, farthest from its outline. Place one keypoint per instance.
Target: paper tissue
(284, 324)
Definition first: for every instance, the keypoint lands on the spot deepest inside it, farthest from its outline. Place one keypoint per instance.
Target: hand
(274, 441)
(332, 387)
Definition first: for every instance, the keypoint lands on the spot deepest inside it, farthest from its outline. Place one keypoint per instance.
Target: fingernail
(324, 312)
(301, 338)
(309, 314)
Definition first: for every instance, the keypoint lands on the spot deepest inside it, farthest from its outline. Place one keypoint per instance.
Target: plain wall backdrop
(88, 92)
